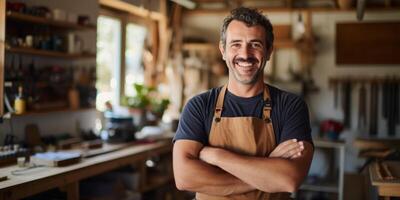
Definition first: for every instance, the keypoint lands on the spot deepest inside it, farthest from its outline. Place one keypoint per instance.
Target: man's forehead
(237, 29)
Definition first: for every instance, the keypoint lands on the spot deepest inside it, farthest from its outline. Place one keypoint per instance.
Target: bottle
(19, 102)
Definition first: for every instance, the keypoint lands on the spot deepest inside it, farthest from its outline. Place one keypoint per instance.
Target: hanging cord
(27, 170)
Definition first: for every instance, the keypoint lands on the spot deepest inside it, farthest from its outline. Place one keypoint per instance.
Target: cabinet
(43, 57)
(337, 184)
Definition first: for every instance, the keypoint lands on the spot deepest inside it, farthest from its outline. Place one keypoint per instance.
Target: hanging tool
(360, 9)
(362, 107)
(336, 89)
(392, 106)
(346, 103)
(373, 122)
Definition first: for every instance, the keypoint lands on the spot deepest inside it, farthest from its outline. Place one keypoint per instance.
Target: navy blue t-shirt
(289, 114)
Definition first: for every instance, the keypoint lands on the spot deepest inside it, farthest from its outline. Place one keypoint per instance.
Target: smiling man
(246, 140)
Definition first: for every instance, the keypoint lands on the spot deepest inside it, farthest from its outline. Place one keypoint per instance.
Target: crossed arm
(216, 171)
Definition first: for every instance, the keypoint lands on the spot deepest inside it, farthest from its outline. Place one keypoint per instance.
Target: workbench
(67, 178)
(387, 181)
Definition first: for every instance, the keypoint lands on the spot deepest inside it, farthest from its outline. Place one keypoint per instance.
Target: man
(246, 140)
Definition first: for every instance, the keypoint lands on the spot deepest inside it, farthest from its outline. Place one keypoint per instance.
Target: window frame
(125, 19)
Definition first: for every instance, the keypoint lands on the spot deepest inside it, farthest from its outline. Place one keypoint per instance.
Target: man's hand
(209, 154)
(289, 149)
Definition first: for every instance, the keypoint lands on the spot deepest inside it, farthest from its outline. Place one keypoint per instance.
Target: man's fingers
(296, 155)
(284, 144)
(293, 149)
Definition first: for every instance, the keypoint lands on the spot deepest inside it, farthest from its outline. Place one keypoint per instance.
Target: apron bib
(246, 136)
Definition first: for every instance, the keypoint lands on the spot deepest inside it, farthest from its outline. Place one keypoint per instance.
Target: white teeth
(244, 64)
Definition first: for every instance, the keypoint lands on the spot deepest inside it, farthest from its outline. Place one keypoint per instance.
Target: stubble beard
(242, 80)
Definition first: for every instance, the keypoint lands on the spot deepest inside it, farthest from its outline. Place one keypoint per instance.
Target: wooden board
(368, 43)
(386, 187)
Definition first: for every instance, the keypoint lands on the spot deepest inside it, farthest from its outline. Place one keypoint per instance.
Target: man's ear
(222, 50)
(269, 52)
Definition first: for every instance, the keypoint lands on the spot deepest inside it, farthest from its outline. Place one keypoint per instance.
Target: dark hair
(251, 17)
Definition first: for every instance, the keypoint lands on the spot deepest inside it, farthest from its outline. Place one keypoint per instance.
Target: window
(115, 76)
(135, 38)
(108, 60)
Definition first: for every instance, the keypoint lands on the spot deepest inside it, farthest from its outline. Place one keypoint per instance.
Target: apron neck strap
(266, 109)
(220, 104)
(267, 105)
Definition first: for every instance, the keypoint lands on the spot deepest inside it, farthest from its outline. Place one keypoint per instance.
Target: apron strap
(220, 104)
(266, 110)
(267, 105)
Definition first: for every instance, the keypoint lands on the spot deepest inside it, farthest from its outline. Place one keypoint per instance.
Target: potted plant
(143, 101)
(140, 101)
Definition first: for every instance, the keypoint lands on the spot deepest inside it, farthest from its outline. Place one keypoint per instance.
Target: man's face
(245, 52)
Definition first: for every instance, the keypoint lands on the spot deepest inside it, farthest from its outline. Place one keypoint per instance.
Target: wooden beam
(287, 10)
(132, 9)
(2, 46)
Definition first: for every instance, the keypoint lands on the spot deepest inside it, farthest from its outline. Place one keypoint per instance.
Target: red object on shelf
(328, 126)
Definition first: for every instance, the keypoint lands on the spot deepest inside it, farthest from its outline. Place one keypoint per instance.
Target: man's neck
(245, 90)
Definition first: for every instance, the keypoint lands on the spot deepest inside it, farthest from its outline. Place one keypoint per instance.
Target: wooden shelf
(321, 187)
(51, 111)
(286, 9)
(370, 79)
(50, 22)
(200, 46)
(45, 53)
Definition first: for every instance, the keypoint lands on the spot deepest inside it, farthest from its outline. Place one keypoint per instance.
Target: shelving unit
(44, 53)
(331, 187)
(52, 111)
(49, 40)
(48, 22)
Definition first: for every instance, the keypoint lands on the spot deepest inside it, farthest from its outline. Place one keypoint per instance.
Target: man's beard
(240, 77)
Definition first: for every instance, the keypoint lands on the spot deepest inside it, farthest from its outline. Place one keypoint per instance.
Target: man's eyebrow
(256, 40)
(233, 41)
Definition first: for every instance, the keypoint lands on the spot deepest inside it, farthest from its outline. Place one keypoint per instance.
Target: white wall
(57, 123)
(321, 103)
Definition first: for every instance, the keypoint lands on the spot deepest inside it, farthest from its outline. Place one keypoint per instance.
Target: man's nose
(245, 52)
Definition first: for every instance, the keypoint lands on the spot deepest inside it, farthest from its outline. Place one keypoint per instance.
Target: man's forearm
(266, 174)
(198, 176)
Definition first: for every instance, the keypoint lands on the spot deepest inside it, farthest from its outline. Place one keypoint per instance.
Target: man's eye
(256, 45)
(235, 45)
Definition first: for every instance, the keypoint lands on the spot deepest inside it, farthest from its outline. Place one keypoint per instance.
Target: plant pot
(139, 116)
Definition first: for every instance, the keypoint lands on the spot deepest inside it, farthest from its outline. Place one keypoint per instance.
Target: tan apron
(247, 136)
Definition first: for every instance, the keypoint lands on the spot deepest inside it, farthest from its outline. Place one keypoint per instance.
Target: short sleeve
(192, 122)
(296, 121)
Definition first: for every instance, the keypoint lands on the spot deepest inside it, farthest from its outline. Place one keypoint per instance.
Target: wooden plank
(48, 22)
(2, 46)
(132, 9)
(267, 10)
(368, 43)
(45, 53)
(18, 187)
(376, 143)
(64, 110)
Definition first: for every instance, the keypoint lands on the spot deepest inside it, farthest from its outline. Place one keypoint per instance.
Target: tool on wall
(362, 107)
(346, 103)
(360, 9)
(336, 89)
(369, 115)
(373, 120)
(390, 104)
